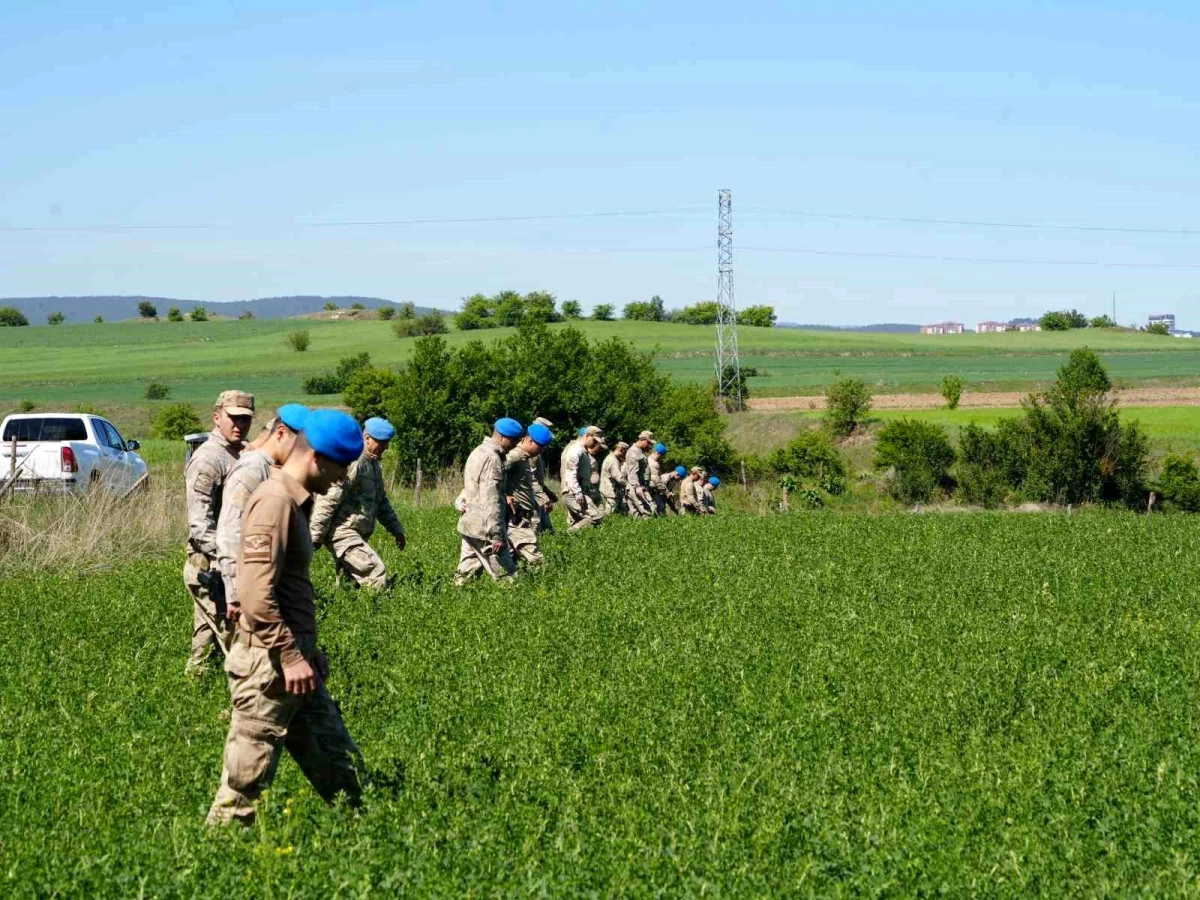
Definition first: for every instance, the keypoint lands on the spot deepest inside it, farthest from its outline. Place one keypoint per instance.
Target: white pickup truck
(66, 452)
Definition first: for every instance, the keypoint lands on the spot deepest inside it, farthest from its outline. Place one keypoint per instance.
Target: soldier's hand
(299, 678)
(497, 546)
(233, 609)
(401, 542)
(321, 665)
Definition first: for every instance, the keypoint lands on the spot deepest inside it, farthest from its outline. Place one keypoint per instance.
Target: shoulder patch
(257, 548)
(203, 484)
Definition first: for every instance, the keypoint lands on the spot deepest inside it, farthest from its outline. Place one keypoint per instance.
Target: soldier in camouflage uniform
(344, 518)
(580, 495)
(637, 494)
(612, 480)
(276, 672)
(689, 501)
(483, 525)
(204, 479)
(707, 497)
(654, 480)
(252, 469)
(546, 498)
(523, 506)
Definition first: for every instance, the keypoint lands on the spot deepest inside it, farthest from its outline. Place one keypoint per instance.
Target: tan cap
(696, 470)
(621, 445)
(646, 436)
(236, 403)
(543, 421)
(594, 431)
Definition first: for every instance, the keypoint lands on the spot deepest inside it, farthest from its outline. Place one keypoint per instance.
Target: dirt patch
(1150, 396)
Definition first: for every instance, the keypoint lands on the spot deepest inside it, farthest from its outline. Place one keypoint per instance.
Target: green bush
(919, 455)
(199, 314)
(174, 315)
(1179, 484)
(12, 317)
(992, 464)
(1102, 322)
(298, 340)
(157, 391)
(602, 312)
(326, 383)
(55, 318)
(246, 316)
(28, 406)
(1159, 328)
(386, 313)
(757, 316)
(330, 306)
(99, 320)
(572, 310)
(334, 382)
(952, 387)
(703, 313)
(847, 403)
(147, 310)
(408, 310)
(507, 309)
(811, 456)
(356, 306)
(176, 420)
(89, 409)
(650, 311)
(428, 324)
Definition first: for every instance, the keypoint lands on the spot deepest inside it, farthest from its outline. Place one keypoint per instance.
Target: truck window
(110, 436)
(45, 428)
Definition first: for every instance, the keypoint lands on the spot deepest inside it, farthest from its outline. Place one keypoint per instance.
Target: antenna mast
(729, 367)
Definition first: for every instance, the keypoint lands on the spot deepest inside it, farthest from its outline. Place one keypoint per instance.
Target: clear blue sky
(257, 117)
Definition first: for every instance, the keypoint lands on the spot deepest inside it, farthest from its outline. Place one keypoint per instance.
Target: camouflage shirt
(251, 470)
(354, 504)
(204, 481)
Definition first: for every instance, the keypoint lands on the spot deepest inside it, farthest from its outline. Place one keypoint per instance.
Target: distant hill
(885, 327)
(85, 309)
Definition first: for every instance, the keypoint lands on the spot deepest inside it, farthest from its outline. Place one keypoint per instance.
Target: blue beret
(509, 428)
(715, 481)
(582, 430)
(541, 434)
(380, 429)
(680, 471)
(293, 415)
(660, 449)
(334, 435)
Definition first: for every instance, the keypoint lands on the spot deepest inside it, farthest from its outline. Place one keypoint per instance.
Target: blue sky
(261, 119)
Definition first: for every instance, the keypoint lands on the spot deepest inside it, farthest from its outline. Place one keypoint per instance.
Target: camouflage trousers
(267, 720)
(637, 504)
(204, 583)
(359, 560)
(476, 556)
(582, 515)
(614, 504)
(523, 541)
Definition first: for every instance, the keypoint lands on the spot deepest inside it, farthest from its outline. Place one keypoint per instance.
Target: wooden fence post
(417, 486)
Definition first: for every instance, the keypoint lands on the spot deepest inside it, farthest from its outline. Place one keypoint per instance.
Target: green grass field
(109, 365)
(806, 705)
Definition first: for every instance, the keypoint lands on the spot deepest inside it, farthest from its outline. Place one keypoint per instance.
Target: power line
(969, 259)
(968, 223)
(385, 223)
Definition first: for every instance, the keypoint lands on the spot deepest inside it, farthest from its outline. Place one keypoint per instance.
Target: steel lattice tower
(729, 367)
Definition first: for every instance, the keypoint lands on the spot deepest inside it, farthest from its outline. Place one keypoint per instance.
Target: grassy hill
(109, 365)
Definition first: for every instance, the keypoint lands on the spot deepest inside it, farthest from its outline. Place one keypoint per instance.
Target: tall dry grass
(93, 531)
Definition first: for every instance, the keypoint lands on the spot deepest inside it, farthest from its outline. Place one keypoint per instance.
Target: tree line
(509, 309)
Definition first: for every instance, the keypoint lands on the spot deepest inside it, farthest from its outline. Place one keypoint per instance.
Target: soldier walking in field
(344, 518)
(654, 480)
(637, 495)
(252, 469)
(523, 505)
(204, 480)
(484, 521)
(612, 480)
(710, 502)
(580, 495)
(546, 498)
(276, 672)
(690, 502)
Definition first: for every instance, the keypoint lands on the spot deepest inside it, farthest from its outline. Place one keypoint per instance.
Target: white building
(1167, 319)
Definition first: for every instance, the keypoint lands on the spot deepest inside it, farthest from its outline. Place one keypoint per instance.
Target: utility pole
(729, 367)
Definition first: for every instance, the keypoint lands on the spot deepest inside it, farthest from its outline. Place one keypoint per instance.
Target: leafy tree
(55, 318)
(539, 307)
(1055, 321)
(1102, 322)
(572, 310)
(385, 313)
(407, 310)
(330, 306)
(1159, 328)
(650, 311)
(952, 387)
(174, 315)
(1179, 483)
(477, 312)
(199, 314)
(735, 383)
(703, 313)
(147, 310)
(602, 312)
(99, 320)
(246, 316)
(298, 340)
(356, 306)
(509, 309)
(757, 316)
(175, 421)
(919, 456)
(847, 403)
(430, 323)
(12, 317)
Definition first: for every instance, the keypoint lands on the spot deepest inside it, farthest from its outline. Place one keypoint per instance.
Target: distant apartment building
(1167, 319)
(1014, 325)
(991, 327)
(943, 328)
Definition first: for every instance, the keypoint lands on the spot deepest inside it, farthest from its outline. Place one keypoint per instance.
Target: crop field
(109, 365)
(817, 705)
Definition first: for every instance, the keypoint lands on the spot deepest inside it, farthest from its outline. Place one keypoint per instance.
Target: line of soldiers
(505, 503)
(257, 511)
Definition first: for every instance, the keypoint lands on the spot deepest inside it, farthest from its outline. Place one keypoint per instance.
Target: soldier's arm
(386, 514)
(201, 484)
(570, 474)
(234, 498)
(324, 507)
(260, 567)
